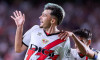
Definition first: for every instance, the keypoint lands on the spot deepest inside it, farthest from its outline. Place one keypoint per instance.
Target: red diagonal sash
(49, 46)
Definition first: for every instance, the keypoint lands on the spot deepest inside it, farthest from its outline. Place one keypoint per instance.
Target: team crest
(45, 41)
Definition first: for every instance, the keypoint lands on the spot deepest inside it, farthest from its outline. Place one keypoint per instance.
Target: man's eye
(82, 40)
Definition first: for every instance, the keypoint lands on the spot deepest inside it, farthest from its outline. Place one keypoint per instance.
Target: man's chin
(41, 26)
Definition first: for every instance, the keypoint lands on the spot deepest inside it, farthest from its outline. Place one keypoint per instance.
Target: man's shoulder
(31, 29)
(35, 26)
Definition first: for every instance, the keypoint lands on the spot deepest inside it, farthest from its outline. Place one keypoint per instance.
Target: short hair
(57, 11)
(84, 33)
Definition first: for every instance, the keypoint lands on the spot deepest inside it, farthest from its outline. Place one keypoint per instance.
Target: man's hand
(64, 35)
(19, 18)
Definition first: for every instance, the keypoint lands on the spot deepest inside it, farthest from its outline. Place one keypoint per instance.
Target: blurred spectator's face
(45, 19)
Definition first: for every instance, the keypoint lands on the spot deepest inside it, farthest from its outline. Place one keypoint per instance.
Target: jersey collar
(47, 34)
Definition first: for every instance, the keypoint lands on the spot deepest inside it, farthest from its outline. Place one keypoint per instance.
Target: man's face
(45, 19)
(83, 40)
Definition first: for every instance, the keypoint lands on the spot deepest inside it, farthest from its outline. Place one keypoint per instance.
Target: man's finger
(15, 14)
(24, 17)
(65, 35)
(60, 33)
(60, 36)
(12, 17)
(20, 13)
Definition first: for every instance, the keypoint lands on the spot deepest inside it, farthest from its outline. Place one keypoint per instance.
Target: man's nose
(40, 17)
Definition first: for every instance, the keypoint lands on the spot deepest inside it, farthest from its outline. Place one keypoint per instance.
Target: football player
(42, 41)
(82, 39)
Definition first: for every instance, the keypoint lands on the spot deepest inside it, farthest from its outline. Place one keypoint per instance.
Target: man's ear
(89, 42)
(53, 21)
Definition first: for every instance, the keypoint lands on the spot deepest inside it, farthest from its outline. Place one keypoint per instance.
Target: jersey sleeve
(98, 58)
(27, 36)
(64, 51)
(74, 53)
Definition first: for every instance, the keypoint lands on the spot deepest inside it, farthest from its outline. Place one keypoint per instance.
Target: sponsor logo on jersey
(39, 34)
(45, 41)
(44, 52)
(68, 53)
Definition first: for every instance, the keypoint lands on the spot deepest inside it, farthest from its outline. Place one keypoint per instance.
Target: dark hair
(57, 11)
(85, 33)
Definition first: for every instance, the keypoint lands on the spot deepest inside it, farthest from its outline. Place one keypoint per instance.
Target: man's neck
(51, 30)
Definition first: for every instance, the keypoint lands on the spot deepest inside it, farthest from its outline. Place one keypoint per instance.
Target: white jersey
(45, 47)
(77, 56)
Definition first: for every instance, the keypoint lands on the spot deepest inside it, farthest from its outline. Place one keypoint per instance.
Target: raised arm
(19, 19)
(81, 46)
(85, 50)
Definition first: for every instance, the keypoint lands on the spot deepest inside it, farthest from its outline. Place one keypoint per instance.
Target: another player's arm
(19, 19)
(81, 46)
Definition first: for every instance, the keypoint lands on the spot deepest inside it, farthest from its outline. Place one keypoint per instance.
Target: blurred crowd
(86, 15)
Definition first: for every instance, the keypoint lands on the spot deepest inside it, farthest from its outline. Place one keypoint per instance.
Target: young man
(42, 41)
(82, 39)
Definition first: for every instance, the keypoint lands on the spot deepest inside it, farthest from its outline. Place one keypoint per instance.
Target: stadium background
(79, 14)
